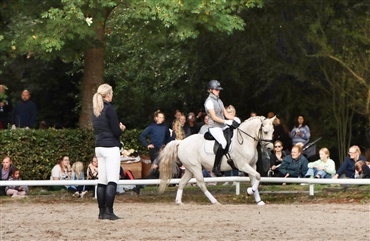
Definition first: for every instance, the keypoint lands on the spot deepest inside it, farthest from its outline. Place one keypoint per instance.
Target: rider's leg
(218, 134)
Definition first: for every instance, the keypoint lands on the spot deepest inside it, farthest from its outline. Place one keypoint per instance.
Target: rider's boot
(217, 165)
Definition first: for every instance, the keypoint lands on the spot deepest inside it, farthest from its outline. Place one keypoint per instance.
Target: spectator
(216, 112)
(78, 174)
(362, 170)
(5, 108)
(300, 132)
(347, 169)
(295, 164)
(191, 127)
(61, 171)
(107, 130)
(16, 191)
(253, 114)
(178, 128)
(322, 168)
(276, 159)
(24, 114)
(204, 127)
(159, 135)
(281, 132)
(6, 169)
(92, 174)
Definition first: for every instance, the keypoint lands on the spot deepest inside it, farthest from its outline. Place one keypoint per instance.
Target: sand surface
(160, 221)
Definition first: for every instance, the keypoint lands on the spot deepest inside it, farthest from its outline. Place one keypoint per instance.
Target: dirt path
(78, 221)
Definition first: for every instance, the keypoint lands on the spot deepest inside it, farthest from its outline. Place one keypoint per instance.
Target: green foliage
(35, 152)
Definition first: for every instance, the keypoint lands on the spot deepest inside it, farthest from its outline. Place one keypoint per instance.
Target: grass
(270, 194)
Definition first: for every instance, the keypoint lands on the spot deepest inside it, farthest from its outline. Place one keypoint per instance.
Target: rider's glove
(237, 120)
(228, 122)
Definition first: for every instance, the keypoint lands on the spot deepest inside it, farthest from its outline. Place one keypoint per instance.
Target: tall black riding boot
(217, 165)
(110, 194)
(100, 193)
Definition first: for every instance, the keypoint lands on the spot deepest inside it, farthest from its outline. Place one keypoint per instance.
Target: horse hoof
(261, 203)
(216, 203)
(249, 191)
(180, 203)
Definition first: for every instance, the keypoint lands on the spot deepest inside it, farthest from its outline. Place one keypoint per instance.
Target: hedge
(35, 152)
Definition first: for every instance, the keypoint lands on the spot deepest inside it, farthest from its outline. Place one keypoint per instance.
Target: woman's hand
(122, 126)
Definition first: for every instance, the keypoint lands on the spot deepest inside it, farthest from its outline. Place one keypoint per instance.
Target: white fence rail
(309, 181)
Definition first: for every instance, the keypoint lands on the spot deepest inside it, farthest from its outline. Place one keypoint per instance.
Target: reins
(259, 140)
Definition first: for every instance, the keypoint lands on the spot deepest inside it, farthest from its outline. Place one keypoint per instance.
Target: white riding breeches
(109, 162)
(218, 134)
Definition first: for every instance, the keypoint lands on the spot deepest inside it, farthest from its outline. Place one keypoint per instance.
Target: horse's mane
(255, 117)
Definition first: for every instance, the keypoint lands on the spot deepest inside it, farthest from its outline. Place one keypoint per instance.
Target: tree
(68, 29)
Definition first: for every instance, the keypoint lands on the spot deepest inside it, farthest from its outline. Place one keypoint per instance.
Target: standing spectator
(178, 128)
(5, 108)
(24, 114)
(300, 132)
(191, 127)
(322, 168)
(16, 191)
(107, 130)
(159, 135)
(281, 132)
(295, 164)
(6, 169)
(348, 166)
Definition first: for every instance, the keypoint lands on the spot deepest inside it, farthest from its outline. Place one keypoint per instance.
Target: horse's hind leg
(198, 174)
(184, 180)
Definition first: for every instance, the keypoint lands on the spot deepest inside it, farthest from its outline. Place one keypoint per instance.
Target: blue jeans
(314, 172)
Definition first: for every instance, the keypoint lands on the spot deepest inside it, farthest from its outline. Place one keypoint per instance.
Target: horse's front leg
(255, 181)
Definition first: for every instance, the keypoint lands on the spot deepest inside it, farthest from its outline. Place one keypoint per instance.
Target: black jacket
(106, 127)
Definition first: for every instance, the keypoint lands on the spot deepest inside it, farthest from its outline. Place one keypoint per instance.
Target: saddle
(228, 133)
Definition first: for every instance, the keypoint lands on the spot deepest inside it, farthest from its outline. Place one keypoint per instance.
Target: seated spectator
(92, 174)
(347, 169)
(61, 171)
(276, 159)
(300, 132)
(204, 127)
(295, 164)
(77, 174)
(322, 168)
(362, 170)
(191, 127)
(6, 170)
(16, 191)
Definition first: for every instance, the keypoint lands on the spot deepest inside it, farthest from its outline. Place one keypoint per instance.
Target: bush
(35, 152)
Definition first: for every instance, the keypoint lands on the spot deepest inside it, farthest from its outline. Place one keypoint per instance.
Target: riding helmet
(214, 84)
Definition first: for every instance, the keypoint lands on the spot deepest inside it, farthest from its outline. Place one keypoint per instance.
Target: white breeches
(109, 163)
(218, 134)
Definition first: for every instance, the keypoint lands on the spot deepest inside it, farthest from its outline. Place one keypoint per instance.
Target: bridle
(240, 139)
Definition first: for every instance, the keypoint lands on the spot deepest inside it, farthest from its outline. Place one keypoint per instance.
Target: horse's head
(267, 129)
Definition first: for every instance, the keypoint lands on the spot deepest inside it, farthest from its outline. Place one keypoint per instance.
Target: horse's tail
(168, 159)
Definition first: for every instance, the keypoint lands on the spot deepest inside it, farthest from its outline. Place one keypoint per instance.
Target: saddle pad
(209, 147)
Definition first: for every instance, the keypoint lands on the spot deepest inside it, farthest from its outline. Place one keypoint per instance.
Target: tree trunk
(93, 77)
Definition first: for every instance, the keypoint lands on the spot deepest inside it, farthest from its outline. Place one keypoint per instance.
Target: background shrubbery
(35, 152)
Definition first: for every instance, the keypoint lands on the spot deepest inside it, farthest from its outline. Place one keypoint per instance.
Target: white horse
(191, 153)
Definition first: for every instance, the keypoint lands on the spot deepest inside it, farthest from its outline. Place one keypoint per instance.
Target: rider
(216, 112)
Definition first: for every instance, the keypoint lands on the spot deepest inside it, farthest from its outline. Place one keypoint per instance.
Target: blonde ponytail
(98, 98)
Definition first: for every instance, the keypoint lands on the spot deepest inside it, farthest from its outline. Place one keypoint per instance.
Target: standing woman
(107, 131)
(300, 132)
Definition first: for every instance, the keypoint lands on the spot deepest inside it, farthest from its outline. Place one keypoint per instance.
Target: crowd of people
(288, 159)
